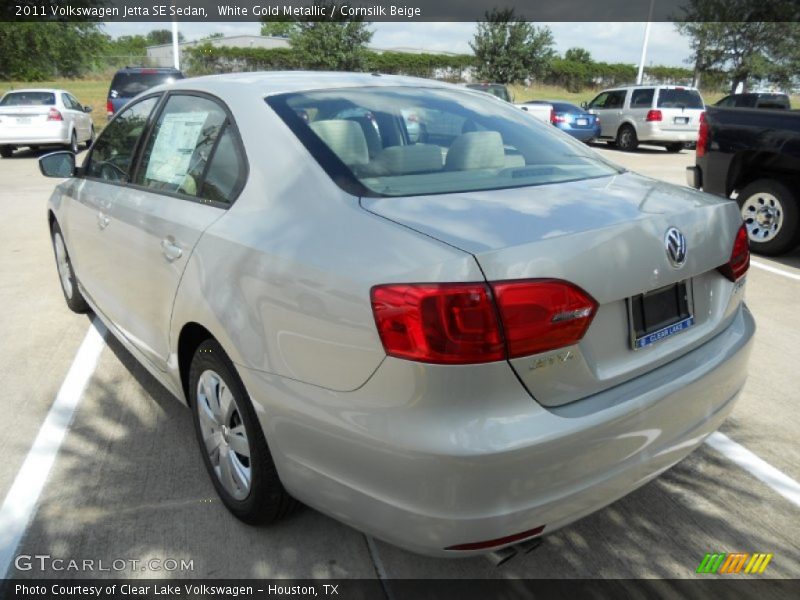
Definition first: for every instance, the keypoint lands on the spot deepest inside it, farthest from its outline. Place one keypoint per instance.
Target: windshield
(679, 98)
(457, 141)
(28, 99)
(128, 85)
(494, 89)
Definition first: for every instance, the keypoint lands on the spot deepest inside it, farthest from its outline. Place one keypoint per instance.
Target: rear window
(128, 85)
(459, 142)
(679, 98)
(564, 107)
(28, 99)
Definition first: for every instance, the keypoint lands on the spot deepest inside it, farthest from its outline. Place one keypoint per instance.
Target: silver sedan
(456, 342)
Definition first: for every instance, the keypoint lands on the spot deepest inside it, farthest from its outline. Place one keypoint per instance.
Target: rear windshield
(128, 85)
(679, 98)
(457, 141)
(564, 107)
(28, 99)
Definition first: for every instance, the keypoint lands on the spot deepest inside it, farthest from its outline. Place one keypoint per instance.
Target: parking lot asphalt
(128, 482)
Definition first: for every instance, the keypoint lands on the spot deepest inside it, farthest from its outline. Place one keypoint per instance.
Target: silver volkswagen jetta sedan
(454, 343)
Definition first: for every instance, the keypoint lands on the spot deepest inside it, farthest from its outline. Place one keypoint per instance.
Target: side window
(616, 99)
(113, 151)
(67, 100)
(75, 104)
(727, 101)
(226, 169)
(642, 98)
(599, 101)
(180, 145)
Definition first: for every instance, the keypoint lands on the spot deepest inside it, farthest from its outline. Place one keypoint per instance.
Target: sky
(608, 42)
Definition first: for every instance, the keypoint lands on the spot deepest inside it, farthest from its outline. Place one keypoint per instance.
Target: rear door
(191, 168)
(680, 108)
(641, 104)
(608, 106)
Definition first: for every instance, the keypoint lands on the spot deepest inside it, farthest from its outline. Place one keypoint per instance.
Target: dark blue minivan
(132, 81)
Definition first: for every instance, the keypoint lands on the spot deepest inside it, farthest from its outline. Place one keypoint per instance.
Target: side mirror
(584, 104)
(87, 109)
(57, 164)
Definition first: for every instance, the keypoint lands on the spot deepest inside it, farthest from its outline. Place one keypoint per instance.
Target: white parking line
(21, 502)
(772, 269)
(783, 484)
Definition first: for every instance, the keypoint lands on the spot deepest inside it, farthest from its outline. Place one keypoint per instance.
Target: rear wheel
(73, 143)
(6, 151)
(66, 275)
(677, 147)
(627, 139)
(232, 441)
(772, 216)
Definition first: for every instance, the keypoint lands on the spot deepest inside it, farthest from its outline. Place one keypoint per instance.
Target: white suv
(664, 115)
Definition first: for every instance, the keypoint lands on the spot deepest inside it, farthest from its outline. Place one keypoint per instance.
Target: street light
(644, 44)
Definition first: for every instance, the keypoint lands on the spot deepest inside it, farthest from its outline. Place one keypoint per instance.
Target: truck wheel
(626, 138)
(772, 216)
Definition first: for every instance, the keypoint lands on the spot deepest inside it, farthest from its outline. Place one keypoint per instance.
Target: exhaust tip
(501, 556)
(529, 546)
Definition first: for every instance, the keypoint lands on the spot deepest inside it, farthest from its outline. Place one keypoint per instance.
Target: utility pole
(176, 56)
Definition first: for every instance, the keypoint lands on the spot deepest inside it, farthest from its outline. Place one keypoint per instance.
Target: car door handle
(170, 249)
(102, 220)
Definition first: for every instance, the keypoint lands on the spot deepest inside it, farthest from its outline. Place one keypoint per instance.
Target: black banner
(399, 10)
(714, 586)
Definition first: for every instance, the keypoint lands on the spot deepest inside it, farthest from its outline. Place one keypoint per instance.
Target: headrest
(476, 150)
(416, 158)
(345, 138)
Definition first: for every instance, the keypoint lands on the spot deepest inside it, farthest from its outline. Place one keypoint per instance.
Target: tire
(88, 143)
(232, 430)
(73, 143)
(627, 141)
(771, 213)
(66, 275)
(6, 151)
(676, 147)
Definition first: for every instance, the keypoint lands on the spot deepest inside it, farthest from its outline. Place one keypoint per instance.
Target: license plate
(660, 314)
(582, 121)
(23, 120)
(681, 120)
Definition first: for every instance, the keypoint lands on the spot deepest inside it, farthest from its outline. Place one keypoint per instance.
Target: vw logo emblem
(675, 243)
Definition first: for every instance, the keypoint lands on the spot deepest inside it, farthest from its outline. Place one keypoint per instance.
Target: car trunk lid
(605, 235)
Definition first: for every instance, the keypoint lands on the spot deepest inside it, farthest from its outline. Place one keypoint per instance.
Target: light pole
(644, 44)
(176, 56)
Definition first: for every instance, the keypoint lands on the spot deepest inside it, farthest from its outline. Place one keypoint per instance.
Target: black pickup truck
(754, 154)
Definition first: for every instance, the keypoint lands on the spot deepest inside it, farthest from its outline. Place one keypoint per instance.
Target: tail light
(739, 262)
(540, 315)
(654, 115)
(702, 137)
(54, 115)
(553, 116)
(109, 108)
(556, 118)
(458, 323)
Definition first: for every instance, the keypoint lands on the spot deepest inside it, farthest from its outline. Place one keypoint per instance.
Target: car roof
(281, 82)
(50, 90)
(148, 69)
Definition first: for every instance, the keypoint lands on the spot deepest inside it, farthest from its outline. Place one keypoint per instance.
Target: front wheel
(66, 275)
(90, 141)
(627, 141)
(73, 143)
(232, 441)
(771, 215)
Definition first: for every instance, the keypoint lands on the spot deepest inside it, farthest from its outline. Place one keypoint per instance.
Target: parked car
(132, 81)
(575, 121)
(661, 115)
(495, 89)
(455, 345)
(754, 156)
(43, 117)
(537, 108)
(756, 100)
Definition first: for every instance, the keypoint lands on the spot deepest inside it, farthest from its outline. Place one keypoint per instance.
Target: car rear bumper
(55, 133)
(694, 177)
(654, 133)
(428, 457)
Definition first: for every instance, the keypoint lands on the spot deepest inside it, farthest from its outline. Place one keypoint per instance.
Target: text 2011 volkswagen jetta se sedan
(454, 344)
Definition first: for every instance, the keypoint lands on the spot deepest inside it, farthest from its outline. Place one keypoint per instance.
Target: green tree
(509, 49)
(281, 29)
(758, 40)
(339, 44)
(157, 37)
(43, 50)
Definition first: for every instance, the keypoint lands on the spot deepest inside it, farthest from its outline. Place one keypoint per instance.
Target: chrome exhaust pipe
(503, 555)
(530, 545)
